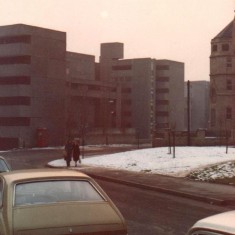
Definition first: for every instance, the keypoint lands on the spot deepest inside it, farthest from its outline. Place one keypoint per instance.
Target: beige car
(55, 202)
(220, 224)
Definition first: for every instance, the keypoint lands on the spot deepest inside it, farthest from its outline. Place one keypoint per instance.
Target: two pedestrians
(72, 151)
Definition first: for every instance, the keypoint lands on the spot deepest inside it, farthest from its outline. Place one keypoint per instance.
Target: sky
(159, 161)
(179, 30)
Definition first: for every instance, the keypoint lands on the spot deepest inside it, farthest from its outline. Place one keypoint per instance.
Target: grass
(223, 173)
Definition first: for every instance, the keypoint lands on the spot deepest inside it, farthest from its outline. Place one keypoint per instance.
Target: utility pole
(189, 116)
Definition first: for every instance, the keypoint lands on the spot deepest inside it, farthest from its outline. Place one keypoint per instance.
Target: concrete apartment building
(169, 94)
(32, 80)
(199, 105)
(91, 103)
(222, 80)
(152, 91)
(48, 94)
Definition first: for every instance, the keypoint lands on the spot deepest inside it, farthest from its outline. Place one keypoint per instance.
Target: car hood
(74, 218)
(220, 222)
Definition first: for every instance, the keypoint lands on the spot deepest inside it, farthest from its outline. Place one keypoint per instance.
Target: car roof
(220, 222)
(24, 175)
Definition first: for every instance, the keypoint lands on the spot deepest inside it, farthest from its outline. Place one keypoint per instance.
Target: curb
(213, 201)
(210, 200)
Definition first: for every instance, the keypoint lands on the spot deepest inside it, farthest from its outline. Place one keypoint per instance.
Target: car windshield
(44, 192)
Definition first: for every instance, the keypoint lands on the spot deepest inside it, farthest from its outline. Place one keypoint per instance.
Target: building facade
(199, 105)
(32, 78)
(222, 80)
(48, 94)
(152, 91)
(91, 103)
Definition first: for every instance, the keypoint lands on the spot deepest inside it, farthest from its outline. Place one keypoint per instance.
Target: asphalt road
(154, 213)
(146, 212)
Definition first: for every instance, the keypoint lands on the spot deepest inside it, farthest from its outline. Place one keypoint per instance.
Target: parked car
(56, 201)
(4, 166)
(220, 224)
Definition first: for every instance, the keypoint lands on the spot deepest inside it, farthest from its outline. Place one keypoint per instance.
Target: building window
(74, 85)
(163, 79)
(17, 100)
(15, 60)
(213, 95)
(229, 113)
(163, 102)
(126, 113)
(15, 39)
(229, 62)
(14, 121)
(126, 90)
(229, 84)
(93, 87)
(214, 48)
(15, 80)
(126, 102)
(162, 67)
(122, 67)
(128, 79)
(213, 117)
(162, 90)
(225, 47)
(163, 113)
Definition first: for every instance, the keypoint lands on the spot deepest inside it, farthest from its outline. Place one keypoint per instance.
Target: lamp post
(110, 114)
(189, 116)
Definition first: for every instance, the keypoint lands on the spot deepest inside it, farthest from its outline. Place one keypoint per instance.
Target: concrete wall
(199, 104)
(197, 138)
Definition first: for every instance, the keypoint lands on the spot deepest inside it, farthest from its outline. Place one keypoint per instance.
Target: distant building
(199, 105)
(32, 78)
(48, 94)
(91, 103)
(151, 90)
(222, 80)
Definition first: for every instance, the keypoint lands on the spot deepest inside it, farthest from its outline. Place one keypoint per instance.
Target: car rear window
(44, 192)
(3, 166)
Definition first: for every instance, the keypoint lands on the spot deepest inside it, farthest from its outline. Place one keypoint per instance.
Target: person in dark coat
(76, 152)
(69, 152)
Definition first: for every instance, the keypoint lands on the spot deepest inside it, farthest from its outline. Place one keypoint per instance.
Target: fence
(197, 138)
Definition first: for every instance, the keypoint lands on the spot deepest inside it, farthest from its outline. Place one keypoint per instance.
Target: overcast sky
(179, 30)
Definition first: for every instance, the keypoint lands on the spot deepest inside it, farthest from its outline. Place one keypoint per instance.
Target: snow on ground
(158, 160)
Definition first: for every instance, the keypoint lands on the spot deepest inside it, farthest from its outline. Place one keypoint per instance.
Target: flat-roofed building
(32, 78)
(152, 91)
(48, 94)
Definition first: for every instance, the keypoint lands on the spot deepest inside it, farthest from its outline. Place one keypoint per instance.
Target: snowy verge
(159, 161)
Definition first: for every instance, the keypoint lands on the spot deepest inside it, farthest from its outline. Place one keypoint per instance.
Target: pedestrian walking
(69, 152)
(76, 152)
